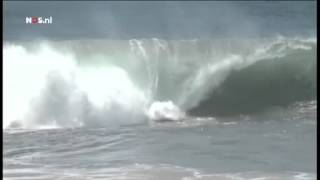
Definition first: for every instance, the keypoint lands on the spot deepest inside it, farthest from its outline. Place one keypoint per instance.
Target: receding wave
(106, 82)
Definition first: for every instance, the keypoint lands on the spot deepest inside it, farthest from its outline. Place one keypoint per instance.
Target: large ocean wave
(105, 82)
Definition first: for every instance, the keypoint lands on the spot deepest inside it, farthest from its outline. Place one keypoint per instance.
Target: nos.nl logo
(39, 20)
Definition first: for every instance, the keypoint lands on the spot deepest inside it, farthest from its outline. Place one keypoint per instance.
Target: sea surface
(281, 147)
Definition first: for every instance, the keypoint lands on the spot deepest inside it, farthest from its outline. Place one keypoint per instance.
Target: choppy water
(278, 146)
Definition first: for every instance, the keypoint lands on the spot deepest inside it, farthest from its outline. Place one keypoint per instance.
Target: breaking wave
(106, 82)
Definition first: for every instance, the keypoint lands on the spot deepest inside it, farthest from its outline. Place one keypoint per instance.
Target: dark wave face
(278, 81)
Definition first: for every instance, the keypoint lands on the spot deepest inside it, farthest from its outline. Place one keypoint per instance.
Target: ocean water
(154, 103)
(281, 146)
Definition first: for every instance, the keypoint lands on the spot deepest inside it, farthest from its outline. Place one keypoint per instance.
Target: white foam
(166, 110)
(47, 87)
